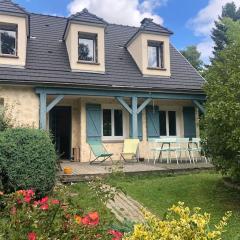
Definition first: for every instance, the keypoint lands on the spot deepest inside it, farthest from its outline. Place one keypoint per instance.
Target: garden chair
(183, 147)
(99, 151)
(130, 149)
(196, 148)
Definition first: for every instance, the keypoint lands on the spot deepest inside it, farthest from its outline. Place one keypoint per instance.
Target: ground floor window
(112, 120)
(168, 123)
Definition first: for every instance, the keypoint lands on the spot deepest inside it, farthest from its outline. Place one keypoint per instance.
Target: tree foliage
(219, 33)
(193, 56)
(222, 118)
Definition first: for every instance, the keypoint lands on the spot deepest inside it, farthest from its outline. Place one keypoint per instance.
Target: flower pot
(68, 170)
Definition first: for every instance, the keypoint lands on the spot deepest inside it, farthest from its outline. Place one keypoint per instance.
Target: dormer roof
(148, 25)
(8, 7)
(86, 17)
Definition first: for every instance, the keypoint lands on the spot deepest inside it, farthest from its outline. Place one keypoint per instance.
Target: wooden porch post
(43, 110)
(134, 117)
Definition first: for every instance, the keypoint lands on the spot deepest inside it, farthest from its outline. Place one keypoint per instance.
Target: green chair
(99, 151)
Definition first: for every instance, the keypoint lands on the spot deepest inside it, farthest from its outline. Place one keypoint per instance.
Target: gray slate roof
(148, 25)
(48, 63)
(9, 6)
(85, 16)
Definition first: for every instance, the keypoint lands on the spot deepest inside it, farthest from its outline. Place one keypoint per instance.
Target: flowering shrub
(180, 223)
(49, 218)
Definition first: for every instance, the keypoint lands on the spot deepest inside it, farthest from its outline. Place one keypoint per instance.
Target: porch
(114, 115)
(84, 171)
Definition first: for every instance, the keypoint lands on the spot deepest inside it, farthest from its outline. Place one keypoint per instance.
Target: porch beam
(143, 105)
(134, 117)
(120, 93)
(54, 102)
(124, 104)
(43, 110)
(199, 106)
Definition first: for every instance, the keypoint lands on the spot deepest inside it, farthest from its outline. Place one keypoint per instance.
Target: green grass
(204, 190)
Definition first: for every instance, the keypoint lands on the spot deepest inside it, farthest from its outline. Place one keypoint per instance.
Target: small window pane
(172, 123)
(7, 42)
(107, 122)
(152, 56)
(118, 123)
(162, 121)
(86, 49)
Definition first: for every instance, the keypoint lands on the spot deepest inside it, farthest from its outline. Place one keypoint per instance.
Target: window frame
(167, 122)
(113, 137)
(94, 38)
(160, 54)
(7, 27)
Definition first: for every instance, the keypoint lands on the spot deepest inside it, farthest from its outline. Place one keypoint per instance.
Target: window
(112, 123)
(155, 54)
(167, 121)
(8, 39)
(87, 47)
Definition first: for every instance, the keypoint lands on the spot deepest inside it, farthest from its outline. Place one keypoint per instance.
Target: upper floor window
(8, 39)
(87, 47)
(155, 54)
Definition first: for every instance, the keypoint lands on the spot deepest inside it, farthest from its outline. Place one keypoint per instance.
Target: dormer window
(8, 39)
(155, 54)
(87, 49)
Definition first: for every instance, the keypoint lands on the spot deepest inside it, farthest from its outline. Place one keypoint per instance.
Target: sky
(190, 20)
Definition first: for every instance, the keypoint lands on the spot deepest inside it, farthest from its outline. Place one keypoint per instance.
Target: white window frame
(112, 137)
(167, 120)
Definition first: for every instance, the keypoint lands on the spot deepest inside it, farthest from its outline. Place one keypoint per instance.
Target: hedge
(27, 160)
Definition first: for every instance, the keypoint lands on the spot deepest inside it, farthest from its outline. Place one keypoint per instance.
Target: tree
(193, 56)
(221, 123)
(219, 32)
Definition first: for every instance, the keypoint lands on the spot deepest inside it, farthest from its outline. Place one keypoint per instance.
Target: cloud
(128, 12)
(203, 23)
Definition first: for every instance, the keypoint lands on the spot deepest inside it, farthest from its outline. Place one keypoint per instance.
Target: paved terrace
(85, 171)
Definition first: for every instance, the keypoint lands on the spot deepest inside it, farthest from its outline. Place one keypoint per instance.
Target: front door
(60, 119)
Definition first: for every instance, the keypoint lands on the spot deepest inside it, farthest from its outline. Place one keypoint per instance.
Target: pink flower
(13, 210)
(55, 201)
(117, 235)
(44, 207)
(32, 236)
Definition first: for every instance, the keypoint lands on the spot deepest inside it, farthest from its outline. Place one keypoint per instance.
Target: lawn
(204, 190)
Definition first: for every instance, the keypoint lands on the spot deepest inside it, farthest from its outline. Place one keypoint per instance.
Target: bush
(27, 160)
(221, 122)
(6, 120)
(180, 223)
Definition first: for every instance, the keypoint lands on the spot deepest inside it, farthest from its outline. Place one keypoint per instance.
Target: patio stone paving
(84, 171)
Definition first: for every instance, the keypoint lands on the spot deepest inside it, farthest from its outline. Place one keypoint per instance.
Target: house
(84, 78)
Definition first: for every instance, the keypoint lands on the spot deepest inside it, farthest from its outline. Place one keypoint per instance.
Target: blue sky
(190, 20)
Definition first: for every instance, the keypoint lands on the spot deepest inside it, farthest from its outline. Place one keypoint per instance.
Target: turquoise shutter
(94, 124)
(153, 125)
(139, 125)
(189, 122)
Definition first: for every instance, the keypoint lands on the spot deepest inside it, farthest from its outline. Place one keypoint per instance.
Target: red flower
(44, 200)
(117, 235)
(44, 207)
(85, 220)
(55, 201)
(78, 219)
(27, 199)
(94, 218)
(32, 236)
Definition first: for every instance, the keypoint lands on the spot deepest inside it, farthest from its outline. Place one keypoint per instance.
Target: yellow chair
(130, 150)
